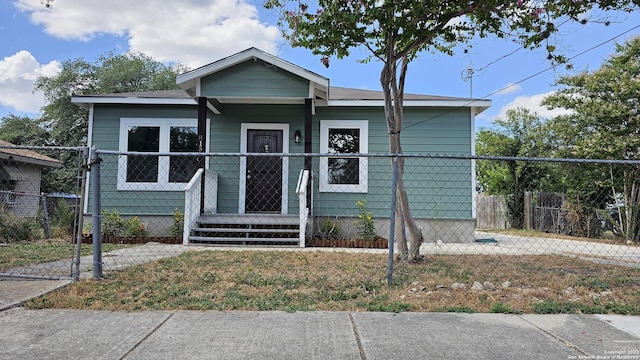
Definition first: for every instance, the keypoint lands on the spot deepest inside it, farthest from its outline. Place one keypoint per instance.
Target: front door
(264, 173)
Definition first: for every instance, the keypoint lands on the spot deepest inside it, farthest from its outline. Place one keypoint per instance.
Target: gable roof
(189, 81)
(337, 96)
(343, 93)
(319, 90)
(161, 97)
(340, 96)
(8, 152)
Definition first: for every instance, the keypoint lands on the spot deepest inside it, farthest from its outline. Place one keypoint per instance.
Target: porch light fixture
(297, 136)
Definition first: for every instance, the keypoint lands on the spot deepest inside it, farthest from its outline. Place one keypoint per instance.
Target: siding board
(254, 79)
(442, 191)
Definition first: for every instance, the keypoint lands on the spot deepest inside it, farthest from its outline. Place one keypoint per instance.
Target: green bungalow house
(252, 105)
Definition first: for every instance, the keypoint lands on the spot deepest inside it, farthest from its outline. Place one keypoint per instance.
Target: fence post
(79, 214)
(45, 215)
(96, 214)
(528, 211)
(392, 225)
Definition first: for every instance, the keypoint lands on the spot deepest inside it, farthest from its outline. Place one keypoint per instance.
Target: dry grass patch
(19, 254)
(292, 281)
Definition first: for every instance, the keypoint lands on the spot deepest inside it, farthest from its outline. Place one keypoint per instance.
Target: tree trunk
(393, 90)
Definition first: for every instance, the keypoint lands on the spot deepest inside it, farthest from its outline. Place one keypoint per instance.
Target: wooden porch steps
(246, 229)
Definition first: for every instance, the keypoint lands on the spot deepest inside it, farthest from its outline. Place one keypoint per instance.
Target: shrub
(113, 224)
(366, 225)
(14, 228)
(178, 223)
(330, 229)
(63, 217)
(136, 228)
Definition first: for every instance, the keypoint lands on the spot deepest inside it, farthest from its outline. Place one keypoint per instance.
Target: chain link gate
(41, 211)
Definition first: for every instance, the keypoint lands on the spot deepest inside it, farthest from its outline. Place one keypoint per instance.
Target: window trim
(363, 126)
(163, 162)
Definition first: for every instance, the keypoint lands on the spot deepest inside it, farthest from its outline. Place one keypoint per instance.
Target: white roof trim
(484, 104)
(87, 100)
(186, 80)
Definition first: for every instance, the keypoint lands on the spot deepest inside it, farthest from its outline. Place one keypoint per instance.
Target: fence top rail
(378, 155)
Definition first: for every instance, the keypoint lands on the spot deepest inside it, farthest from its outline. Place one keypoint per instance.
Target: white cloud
(18, 74)
(194, 32)
(532, 103)
(509, 89)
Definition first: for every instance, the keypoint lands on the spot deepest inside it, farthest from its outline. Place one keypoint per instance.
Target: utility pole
(467, 75)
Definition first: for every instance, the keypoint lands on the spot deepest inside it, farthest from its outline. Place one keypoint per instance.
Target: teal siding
(254, 79)
(106, 123)
(437, 131)
(105, 137)
(225, 138)
(437, 188)
(379, 171)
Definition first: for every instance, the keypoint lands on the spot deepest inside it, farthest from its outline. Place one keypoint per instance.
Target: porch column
(308, 137)
(202, 141)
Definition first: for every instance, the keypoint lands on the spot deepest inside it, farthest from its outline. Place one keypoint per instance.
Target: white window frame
(165, 124)
(363, 126)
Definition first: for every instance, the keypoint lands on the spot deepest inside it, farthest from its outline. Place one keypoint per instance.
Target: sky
(35, 40)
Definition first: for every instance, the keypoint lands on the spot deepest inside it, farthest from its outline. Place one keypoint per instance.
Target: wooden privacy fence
(542, 211)
(491, 212)
(549, 214)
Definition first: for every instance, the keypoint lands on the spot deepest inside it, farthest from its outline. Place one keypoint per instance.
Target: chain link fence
(155, 205)
(40, 210)
(345, 202)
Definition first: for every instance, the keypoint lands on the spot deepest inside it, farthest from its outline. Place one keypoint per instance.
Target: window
(148, 172)
(8, 195)
(143, 139)
(344, 174)
(183, 139)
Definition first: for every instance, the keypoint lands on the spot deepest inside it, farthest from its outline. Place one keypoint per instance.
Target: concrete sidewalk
(58, 334)
(15, 292)
(76, 334)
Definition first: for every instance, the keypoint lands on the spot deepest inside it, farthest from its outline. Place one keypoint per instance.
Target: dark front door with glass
(264, 173)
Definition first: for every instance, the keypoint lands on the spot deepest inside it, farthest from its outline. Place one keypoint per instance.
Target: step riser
(246, 229)
(213, 240)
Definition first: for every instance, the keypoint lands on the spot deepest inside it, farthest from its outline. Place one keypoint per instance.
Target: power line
(571, 58)
(522, 80)
(469, 72)
(484, 68)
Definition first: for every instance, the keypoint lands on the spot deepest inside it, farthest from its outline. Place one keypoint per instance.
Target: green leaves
(605, 105)
(22, 130)
(390, 30)
(66, 123)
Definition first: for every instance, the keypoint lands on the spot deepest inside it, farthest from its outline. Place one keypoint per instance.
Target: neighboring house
(20, 177)
(253, 102)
